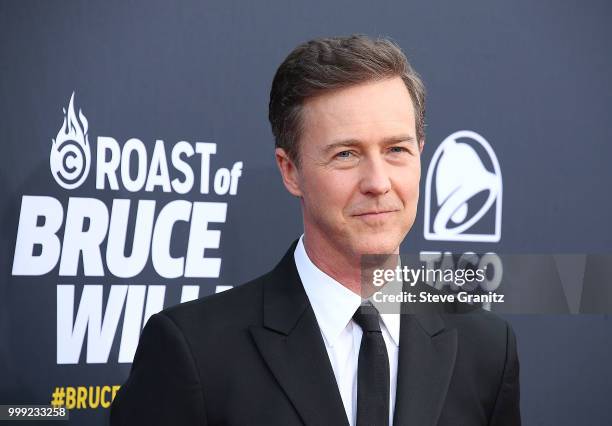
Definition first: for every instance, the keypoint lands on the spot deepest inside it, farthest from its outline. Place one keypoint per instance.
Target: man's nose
(375, 178)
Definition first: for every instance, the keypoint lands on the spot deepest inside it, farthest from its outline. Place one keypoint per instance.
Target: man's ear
(288, 171)
(421, 145)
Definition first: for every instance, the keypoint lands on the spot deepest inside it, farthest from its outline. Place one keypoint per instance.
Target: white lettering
(108, 168)
(30, 235)
(158, 173)
(166, 265)
(134, 146)
(131, 322)
(205, 150)
(201, 238)
(78, 240)
(129, 266)
(236, 173)
(100, 332)
(180, 165)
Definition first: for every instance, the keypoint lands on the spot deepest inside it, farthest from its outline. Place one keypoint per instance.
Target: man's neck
(345, 268)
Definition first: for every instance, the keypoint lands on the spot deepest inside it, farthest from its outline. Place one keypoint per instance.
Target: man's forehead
(353, 112)
(326, 132)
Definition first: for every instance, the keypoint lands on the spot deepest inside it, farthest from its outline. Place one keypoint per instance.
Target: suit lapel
(425, 366)
(291, 344)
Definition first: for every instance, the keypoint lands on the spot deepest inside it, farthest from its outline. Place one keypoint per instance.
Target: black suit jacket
(254, 355)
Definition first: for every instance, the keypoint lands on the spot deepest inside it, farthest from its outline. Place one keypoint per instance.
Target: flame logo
(70, 154)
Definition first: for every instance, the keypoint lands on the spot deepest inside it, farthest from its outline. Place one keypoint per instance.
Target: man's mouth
(375, 214)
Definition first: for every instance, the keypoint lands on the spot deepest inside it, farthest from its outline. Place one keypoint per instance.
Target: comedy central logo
(70, 157)
(463, 191)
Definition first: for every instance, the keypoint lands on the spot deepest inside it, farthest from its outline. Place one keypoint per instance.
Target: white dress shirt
(334, 305)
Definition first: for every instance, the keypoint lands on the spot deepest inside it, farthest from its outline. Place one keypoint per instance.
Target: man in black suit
(297, 346)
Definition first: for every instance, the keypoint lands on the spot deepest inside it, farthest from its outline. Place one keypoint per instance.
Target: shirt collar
(333, 304)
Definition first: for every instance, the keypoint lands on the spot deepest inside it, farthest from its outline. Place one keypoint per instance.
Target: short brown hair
(325, 64)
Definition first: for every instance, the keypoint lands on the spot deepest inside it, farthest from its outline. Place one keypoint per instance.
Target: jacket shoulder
(240, 305)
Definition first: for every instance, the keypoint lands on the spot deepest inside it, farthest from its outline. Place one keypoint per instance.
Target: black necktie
(372, 370)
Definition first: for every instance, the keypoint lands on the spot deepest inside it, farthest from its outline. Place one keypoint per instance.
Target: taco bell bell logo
(463, 191)
(70, 157)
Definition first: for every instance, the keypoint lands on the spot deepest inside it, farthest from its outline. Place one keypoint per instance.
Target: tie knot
(367, 317)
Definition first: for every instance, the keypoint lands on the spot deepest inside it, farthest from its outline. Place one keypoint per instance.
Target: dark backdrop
(531, 77)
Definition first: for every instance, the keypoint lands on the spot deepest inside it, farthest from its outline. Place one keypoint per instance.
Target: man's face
(360, 168)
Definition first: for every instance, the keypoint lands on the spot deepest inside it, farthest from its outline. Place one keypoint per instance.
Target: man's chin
(376, 246)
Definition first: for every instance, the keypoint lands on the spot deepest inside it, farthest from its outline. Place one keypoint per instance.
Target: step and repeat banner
(137, 172)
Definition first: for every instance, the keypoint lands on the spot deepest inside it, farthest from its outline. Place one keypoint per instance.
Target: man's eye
(397, 149)
(344, 155)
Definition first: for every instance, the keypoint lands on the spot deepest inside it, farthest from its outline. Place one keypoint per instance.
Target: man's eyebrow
(347, 143)
(398, 139)
(343, 143)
